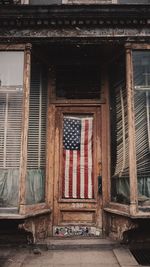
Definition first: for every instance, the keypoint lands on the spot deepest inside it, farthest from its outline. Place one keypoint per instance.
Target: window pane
(11, 101)
(141, 64)
(119, 135)
(11, 69)
(36, 138)
(78, 82)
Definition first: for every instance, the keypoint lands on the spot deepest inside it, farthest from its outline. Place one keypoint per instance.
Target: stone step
(77, 243)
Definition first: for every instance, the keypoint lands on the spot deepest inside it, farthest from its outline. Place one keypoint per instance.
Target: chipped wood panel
(131, 131)
(80, 209)
(77, 216)
(23, 160)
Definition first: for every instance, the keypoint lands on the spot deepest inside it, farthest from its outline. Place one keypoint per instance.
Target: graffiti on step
(76, 231)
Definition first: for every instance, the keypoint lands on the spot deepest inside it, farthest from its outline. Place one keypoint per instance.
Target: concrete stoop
(123, 256)
(81, 252)
(77, 243)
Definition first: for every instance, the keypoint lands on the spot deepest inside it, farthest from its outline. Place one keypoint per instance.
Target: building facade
(75, 116)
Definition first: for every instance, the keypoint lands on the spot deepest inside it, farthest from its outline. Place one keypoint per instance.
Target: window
(141, 73)
(78, 82)
(130, 132)
(119, 135)
(23, 107)
(11, 103)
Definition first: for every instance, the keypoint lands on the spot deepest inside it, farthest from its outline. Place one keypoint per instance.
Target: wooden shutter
(121, 133)
(37, 121)
(119, 120)
(142, 127)
(10, 127)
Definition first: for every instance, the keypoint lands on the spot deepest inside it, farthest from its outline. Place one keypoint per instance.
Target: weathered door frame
(103, 103)
(85, 212)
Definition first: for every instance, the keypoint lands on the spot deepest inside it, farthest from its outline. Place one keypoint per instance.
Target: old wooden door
(77, 202)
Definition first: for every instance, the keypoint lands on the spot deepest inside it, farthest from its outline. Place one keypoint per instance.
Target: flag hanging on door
(77, 157)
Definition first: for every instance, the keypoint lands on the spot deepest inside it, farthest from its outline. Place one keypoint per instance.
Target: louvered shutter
(142, 115)
(10, 128)
(36, 160)
(11, 105)
(121, 132)
(11, 100)
(37, 121)
(119, 120)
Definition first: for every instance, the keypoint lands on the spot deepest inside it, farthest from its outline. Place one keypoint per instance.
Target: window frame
(62, 101)
(131, 210)
(24, 210)
(139, 211)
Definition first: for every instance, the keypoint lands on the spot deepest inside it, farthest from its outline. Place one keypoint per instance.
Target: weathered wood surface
(131, 133)
(76, 211)
(23, 160)
(63, 21)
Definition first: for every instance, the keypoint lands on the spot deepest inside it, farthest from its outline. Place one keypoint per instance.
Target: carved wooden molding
(23, 16)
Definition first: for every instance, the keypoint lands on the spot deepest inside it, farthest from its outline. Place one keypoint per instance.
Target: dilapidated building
(74, 116)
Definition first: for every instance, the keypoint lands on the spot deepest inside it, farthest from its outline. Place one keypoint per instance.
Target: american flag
(77, 157)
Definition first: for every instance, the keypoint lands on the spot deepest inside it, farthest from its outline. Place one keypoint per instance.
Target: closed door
(77, 200)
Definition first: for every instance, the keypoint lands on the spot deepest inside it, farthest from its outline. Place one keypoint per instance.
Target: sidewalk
(104, 256)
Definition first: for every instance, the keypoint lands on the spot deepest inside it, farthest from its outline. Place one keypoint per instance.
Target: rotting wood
(76, 205)
(105, 148)
(131, 134)
(56, 167)
(50, 160)
(105, 151)
(138, 46)
(12, 47)
(99, 166)
(29, 209)
(118, 206)
(23, 159)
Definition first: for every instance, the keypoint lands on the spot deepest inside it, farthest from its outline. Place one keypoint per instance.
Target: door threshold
(78, 243)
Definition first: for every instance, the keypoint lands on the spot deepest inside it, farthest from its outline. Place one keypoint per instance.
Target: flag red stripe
(78, 174)
(63, 180)
(86, 159)
(70, 173)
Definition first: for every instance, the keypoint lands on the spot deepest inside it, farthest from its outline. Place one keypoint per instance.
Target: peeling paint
(68, 231)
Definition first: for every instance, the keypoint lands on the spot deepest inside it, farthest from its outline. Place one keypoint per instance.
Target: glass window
(78, 82)
(141, 72)
(119, 135)
(11, 103)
